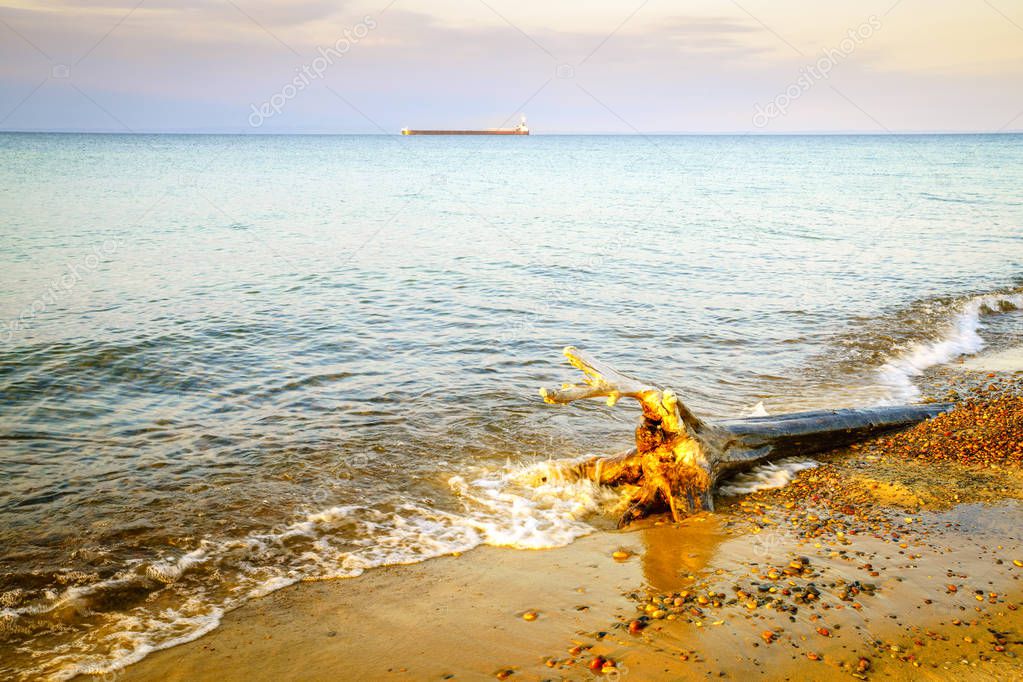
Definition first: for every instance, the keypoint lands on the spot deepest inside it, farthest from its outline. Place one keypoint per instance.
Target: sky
(597, 66)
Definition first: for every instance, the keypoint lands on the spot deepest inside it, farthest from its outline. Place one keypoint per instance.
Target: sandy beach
(462, 618)
(867, 566)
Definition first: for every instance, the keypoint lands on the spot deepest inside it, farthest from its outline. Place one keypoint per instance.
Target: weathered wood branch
(679, 458)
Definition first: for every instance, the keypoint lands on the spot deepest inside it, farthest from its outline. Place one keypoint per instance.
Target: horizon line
(326, 133)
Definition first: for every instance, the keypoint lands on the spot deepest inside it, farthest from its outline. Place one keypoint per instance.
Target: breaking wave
(533, 506)
(960, 336)
(766, 476)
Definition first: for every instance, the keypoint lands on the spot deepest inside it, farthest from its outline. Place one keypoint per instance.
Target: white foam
(758, 410)
(766, 476)
(536, 506)
(532, 507)
(138, 638)
(961, 337)
(169, 571)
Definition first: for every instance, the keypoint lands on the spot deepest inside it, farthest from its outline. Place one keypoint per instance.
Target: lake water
(230, 363)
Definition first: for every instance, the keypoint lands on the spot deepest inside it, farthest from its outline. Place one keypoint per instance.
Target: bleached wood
(679, 458)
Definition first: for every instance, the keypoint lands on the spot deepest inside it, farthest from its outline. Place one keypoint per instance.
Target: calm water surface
(231, 363)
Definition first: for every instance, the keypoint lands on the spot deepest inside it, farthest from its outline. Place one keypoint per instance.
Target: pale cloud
(201, 64)
(959, 38)
(725, 36)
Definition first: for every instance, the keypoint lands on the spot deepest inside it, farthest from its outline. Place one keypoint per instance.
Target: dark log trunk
(804, 433)
(680, 458)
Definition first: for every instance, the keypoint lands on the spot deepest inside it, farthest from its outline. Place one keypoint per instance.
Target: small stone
(813, 656)
(597, 663)
(620, 555)
(823, 632)
(767, 636)
(504, 674)
(530, 616)
(635, 627)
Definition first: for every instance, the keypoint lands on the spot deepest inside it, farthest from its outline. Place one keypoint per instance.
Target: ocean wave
(533, 506)
(960, 336)
(536, 506)
(758, 410)
(766, 476)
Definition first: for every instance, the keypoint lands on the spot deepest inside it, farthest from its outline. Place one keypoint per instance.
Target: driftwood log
(679, 458)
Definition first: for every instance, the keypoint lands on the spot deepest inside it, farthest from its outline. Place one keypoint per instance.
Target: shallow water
(231, 363)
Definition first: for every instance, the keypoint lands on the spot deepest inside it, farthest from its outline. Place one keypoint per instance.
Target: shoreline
(461, 618)
(864, 566)
(1006, 360)
(413, 621)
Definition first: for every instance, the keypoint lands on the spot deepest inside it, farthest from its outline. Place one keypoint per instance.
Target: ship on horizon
(520, 129)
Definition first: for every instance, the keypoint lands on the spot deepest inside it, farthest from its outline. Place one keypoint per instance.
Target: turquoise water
(230, 363)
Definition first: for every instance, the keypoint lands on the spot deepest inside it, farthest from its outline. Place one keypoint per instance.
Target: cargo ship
(520, 129)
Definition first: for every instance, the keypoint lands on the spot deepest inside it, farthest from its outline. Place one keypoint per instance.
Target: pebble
(530, 615)
(827, 512)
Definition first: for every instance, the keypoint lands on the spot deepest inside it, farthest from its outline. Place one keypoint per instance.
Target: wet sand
(458, 616)
(1008, 360)
(892, 560)
(461, 618)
